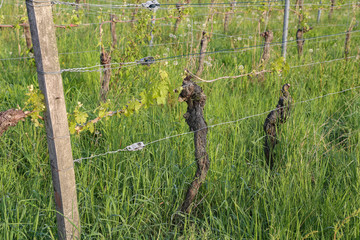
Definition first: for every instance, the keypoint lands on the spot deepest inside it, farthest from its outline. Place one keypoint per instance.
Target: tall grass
(312, 193)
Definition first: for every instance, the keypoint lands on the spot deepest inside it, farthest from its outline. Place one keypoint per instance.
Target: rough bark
(228, 17)
(347, 41)
(203, 46)
(113, 30)
(331, 8)
(299, 6)
(10, 118)
(273, 121)
(178, 20)
(105, 60)
(268, 36)
(195, 98)
(300, 40)
(28, 37)
(133, 15)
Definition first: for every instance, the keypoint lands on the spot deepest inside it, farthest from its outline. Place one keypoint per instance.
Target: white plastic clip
(136, 146)
(151, 5)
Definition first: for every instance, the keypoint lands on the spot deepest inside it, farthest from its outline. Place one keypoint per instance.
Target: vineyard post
(57, 130)
(152, 28)
(319, 12)
(285, 28)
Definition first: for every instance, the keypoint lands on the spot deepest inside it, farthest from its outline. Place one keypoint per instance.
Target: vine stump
(195, 98)
(10, 118)
(273, 121)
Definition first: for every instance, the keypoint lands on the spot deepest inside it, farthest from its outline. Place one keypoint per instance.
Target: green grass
(313, 188)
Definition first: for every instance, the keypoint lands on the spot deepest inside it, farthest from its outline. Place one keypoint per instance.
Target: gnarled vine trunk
(105, 60)
(10, 118)
(300, 39)
(203, 46)
(195, 98)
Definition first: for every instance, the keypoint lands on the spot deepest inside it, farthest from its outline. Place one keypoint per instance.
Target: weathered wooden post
(57, 130)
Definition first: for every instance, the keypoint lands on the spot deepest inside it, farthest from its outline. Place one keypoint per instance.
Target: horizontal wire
(164, 44)
(128, 5)
(172, 43)
(223, 123)
(66, 53)
(261, 72)
(88, 69)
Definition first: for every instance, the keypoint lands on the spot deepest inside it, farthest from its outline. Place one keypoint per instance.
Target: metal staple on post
(286, 28)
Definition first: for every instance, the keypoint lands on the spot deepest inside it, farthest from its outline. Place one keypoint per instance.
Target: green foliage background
(313, 192)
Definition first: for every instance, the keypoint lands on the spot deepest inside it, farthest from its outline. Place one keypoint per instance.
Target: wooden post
(57, 130)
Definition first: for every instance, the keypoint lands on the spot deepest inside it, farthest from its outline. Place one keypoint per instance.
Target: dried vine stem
(195, 98)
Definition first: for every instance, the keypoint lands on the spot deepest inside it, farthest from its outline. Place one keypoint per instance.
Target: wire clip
(146, 61)
(151, 5)
(136, 146)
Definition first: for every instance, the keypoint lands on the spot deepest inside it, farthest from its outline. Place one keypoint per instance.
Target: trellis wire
(165, 44)
(87, 69)
(66, 53)
(128, 5)
(211, 126)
